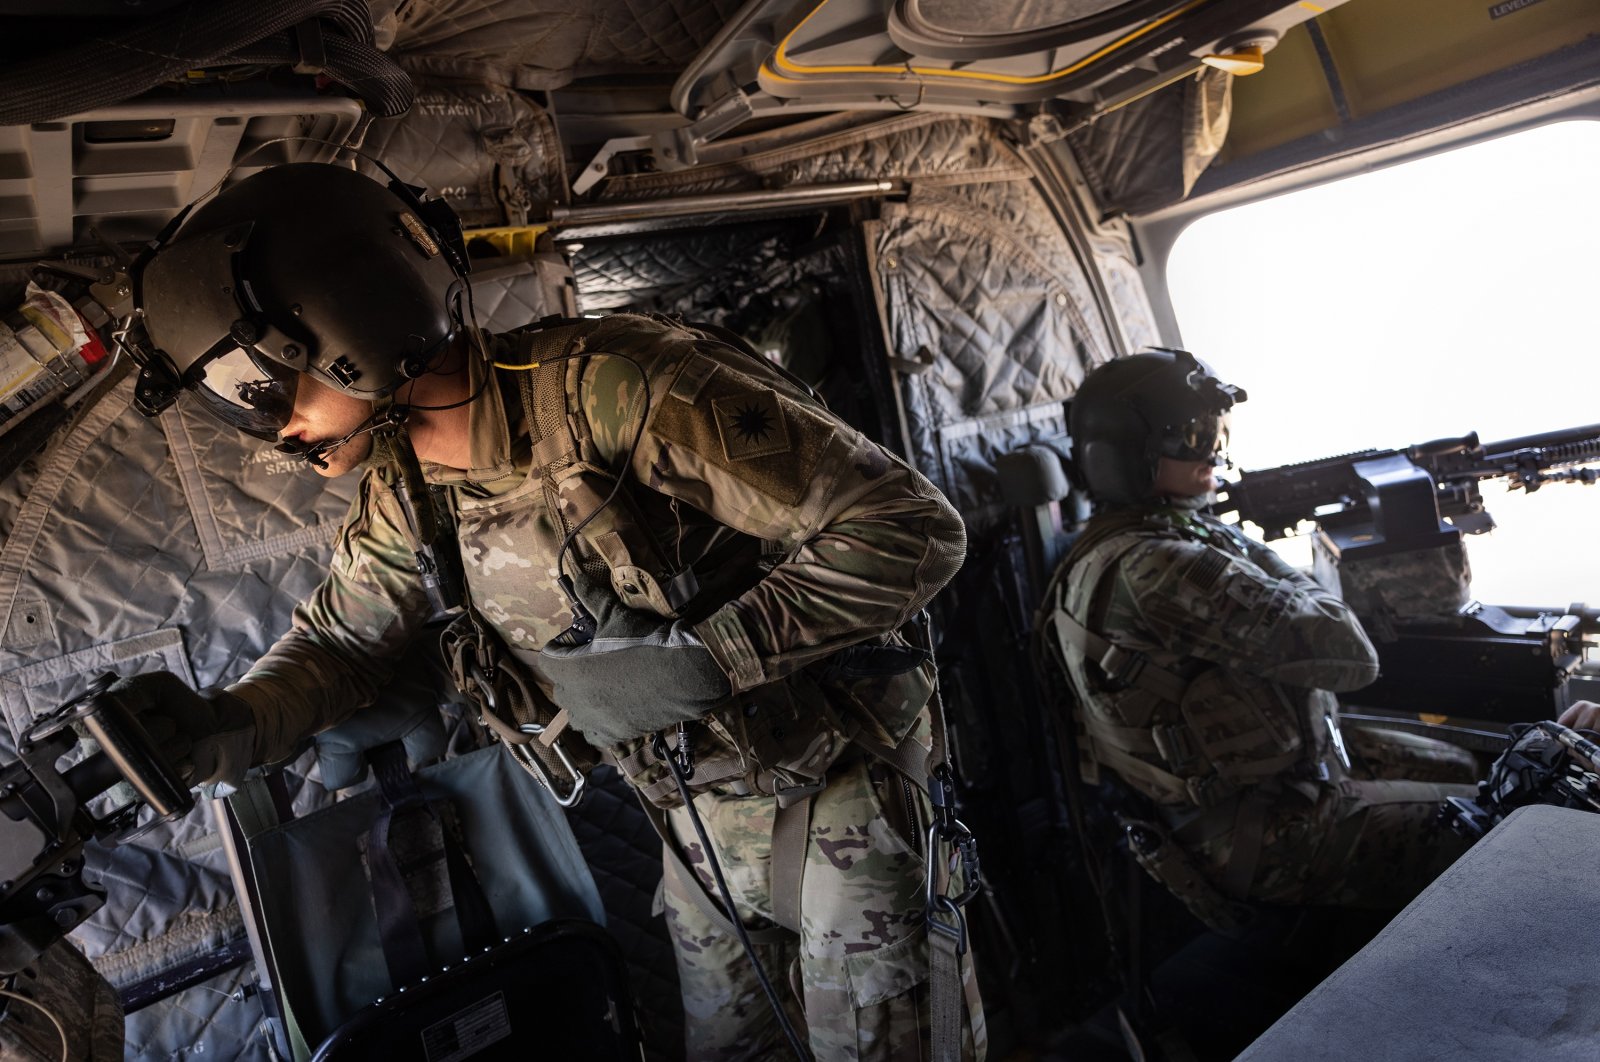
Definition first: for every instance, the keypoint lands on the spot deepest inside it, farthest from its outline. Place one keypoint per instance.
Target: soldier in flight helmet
(1203, 670)
(613, 488)
(304, 272)
(1132, 412)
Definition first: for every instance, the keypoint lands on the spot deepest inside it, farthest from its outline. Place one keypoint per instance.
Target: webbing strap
(399, 933)
(790, 829)
(1246, 851)
(909, 758)
(946, 1001)
(945, 996)
(713, 770)
(1126, 738)
(1133, 667)
(1132, 768)
(399, 930)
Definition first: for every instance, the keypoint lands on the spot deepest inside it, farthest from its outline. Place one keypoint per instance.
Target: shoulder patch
(744, 425)
(751, 425)
(1206, 569)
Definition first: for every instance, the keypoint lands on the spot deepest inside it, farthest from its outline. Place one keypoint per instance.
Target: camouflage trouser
(855, 977)
(1350, 842)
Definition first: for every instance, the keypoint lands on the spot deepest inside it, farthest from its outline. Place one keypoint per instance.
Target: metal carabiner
(963, 850)
(541, 773)
(955, 929)
(530, 761)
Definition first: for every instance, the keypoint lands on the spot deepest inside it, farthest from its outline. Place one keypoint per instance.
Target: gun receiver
(1404, 494)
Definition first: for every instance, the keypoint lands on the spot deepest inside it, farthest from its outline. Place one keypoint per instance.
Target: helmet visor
(1202, 438)
(248, 391)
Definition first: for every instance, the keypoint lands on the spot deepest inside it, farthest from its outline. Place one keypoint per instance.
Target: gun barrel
(1588, 434)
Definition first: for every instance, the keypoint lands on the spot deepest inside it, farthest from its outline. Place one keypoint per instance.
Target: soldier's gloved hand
(639, 673)
(205, 737)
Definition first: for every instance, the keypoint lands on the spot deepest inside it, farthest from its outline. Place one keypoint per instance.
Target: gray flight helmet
(1131, 412)
(302, 268)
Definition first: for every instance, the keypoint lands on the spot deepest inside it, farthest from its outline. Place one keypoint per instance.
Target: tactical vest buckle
(1176, 745)
(1210, 790)
(1121, 667)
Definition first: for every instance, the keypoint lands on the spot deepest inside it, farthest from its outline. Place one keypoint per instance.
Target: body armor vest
(1179, 731)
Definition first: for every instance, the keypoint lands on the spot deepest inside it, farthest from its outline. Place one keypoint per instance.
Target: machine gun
(45, 819)
(1383, 540)
(1403, 494)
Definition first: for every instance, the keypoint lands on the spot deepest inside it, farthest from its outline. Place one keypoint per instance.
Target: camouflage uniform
(804, 538)
(1237, 754)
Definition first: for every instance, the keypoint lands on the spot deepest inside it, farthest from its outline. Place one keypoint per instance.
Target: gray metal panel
(1492, 962)
(59, 178)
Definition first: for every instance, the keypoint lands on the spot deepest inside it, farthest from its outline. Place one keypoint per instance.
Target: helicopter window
(1448, 294)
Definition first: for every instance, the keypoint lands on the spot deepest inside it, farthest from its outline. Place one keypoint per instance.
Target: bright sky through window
(1451, 294)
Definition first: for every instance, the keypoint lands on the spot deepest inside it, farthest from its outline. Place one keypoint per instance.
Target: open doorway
(1449, 294)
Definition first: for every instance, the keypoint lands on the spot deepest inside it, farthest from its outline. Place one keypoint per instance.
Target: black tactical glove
(639, 673)
(205, 737)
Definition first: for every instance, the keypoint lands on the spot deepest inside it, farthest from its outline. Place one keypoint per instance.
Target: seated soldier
(1204, 668)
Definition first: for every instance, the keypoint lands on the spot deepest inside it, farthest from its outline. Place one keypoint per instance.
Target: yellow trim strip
(782, 59)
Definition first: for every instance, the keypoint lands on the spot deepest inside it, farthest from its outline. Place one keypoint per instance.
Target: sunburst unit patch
(751, 425)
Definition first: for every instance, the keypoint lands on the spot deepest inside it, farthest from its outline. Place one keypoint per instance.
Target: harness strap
(1247, 839)
(790, 829)
(946, 1000)
(947, 996)
(1168, 786)
(1129, 667)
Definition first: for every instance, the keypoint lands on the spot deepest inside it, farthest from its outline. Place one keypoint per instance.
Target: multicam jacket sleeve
(346, 637)
(866, 539)
(1255, 614)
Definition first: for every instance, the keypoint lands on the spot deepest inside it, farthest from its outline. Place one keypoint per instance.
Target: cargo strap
(399, 927)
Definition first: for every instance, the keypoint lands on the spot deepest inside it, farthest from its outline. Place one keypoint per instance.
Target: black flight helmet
(301, 268)
(1131, 412)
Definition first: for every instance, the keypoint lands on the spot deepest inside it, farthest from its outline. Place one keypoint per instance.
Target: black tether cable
(727, 902)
